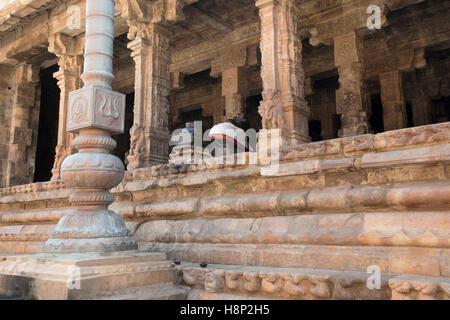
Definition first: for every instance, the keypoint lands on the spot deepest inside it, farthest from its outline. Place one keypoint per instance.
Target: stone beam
(394, 108)
(200, 57)
(210, 21)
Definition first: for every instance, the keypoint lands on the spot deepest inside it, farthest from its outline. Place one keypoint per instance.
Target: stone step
(239, 282)
(163, 291)
(430, 262)
(81, 276)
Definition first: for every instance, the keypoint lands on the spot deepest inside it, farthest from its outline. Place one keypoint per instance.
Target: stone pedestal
(88, 276)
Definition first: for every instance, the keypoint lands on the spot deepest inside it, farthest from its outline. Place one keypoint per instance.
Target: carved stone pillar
(351, 97)
(284, 107)
(6, 98)
(234, 90)
(394, 108)
(96, 112)
(24, 126)
(150, 50)
(231, 66)
(150, 133)
(70, 54)
(421, 105)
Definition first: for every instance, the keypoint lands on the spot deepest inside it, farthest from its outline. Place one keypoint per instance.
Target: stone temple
(352, 96)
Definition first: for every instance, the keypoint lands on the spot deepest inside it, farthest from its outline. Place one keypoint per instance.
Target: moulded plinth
(82, 276)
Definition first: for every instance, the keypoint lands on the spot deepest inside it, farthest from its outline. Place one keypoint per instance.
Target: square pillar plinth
(83, 276)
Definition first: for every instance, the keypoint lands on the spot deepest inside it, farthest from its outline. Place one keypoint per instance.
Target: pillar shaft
(284, 106)
(6, 82)
(351, 97)
(98, 62)
(394, 108)
(24, 126)
(150, 133)
(234, 89)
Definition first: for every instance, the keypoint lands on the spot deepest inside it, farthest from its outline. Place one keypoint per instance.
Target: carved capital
(347, 49)
(141, 13)
(61, 44)
(234, 57)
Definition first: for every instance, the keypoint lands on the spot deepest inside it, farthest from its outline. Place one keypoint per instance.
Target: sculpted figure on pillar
(270, 110)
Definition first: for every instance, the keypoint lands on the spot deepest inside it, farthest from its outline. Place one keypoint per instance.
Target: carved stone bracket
(141, 12)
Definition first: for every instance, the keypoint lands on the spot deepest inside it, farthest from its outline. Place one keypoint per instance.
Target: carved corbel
(62, 44)
(234, 57)
(177, 80)
(141, 13)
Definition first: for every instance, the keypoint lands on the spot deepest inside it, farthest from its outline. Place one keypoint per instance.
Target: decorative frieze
(301, 284)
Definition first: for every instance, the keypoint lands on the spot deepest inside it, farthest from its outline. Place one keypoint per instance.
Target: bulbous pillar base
(94, 245)
(90, 231)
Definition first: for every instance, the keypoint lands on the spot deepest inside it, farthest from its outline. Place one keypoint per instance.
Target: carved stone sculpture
(96, 112)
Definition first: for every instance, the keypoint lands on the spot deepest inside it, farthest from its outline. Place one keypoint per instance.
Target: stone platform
(88, 276)
(337, 207)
